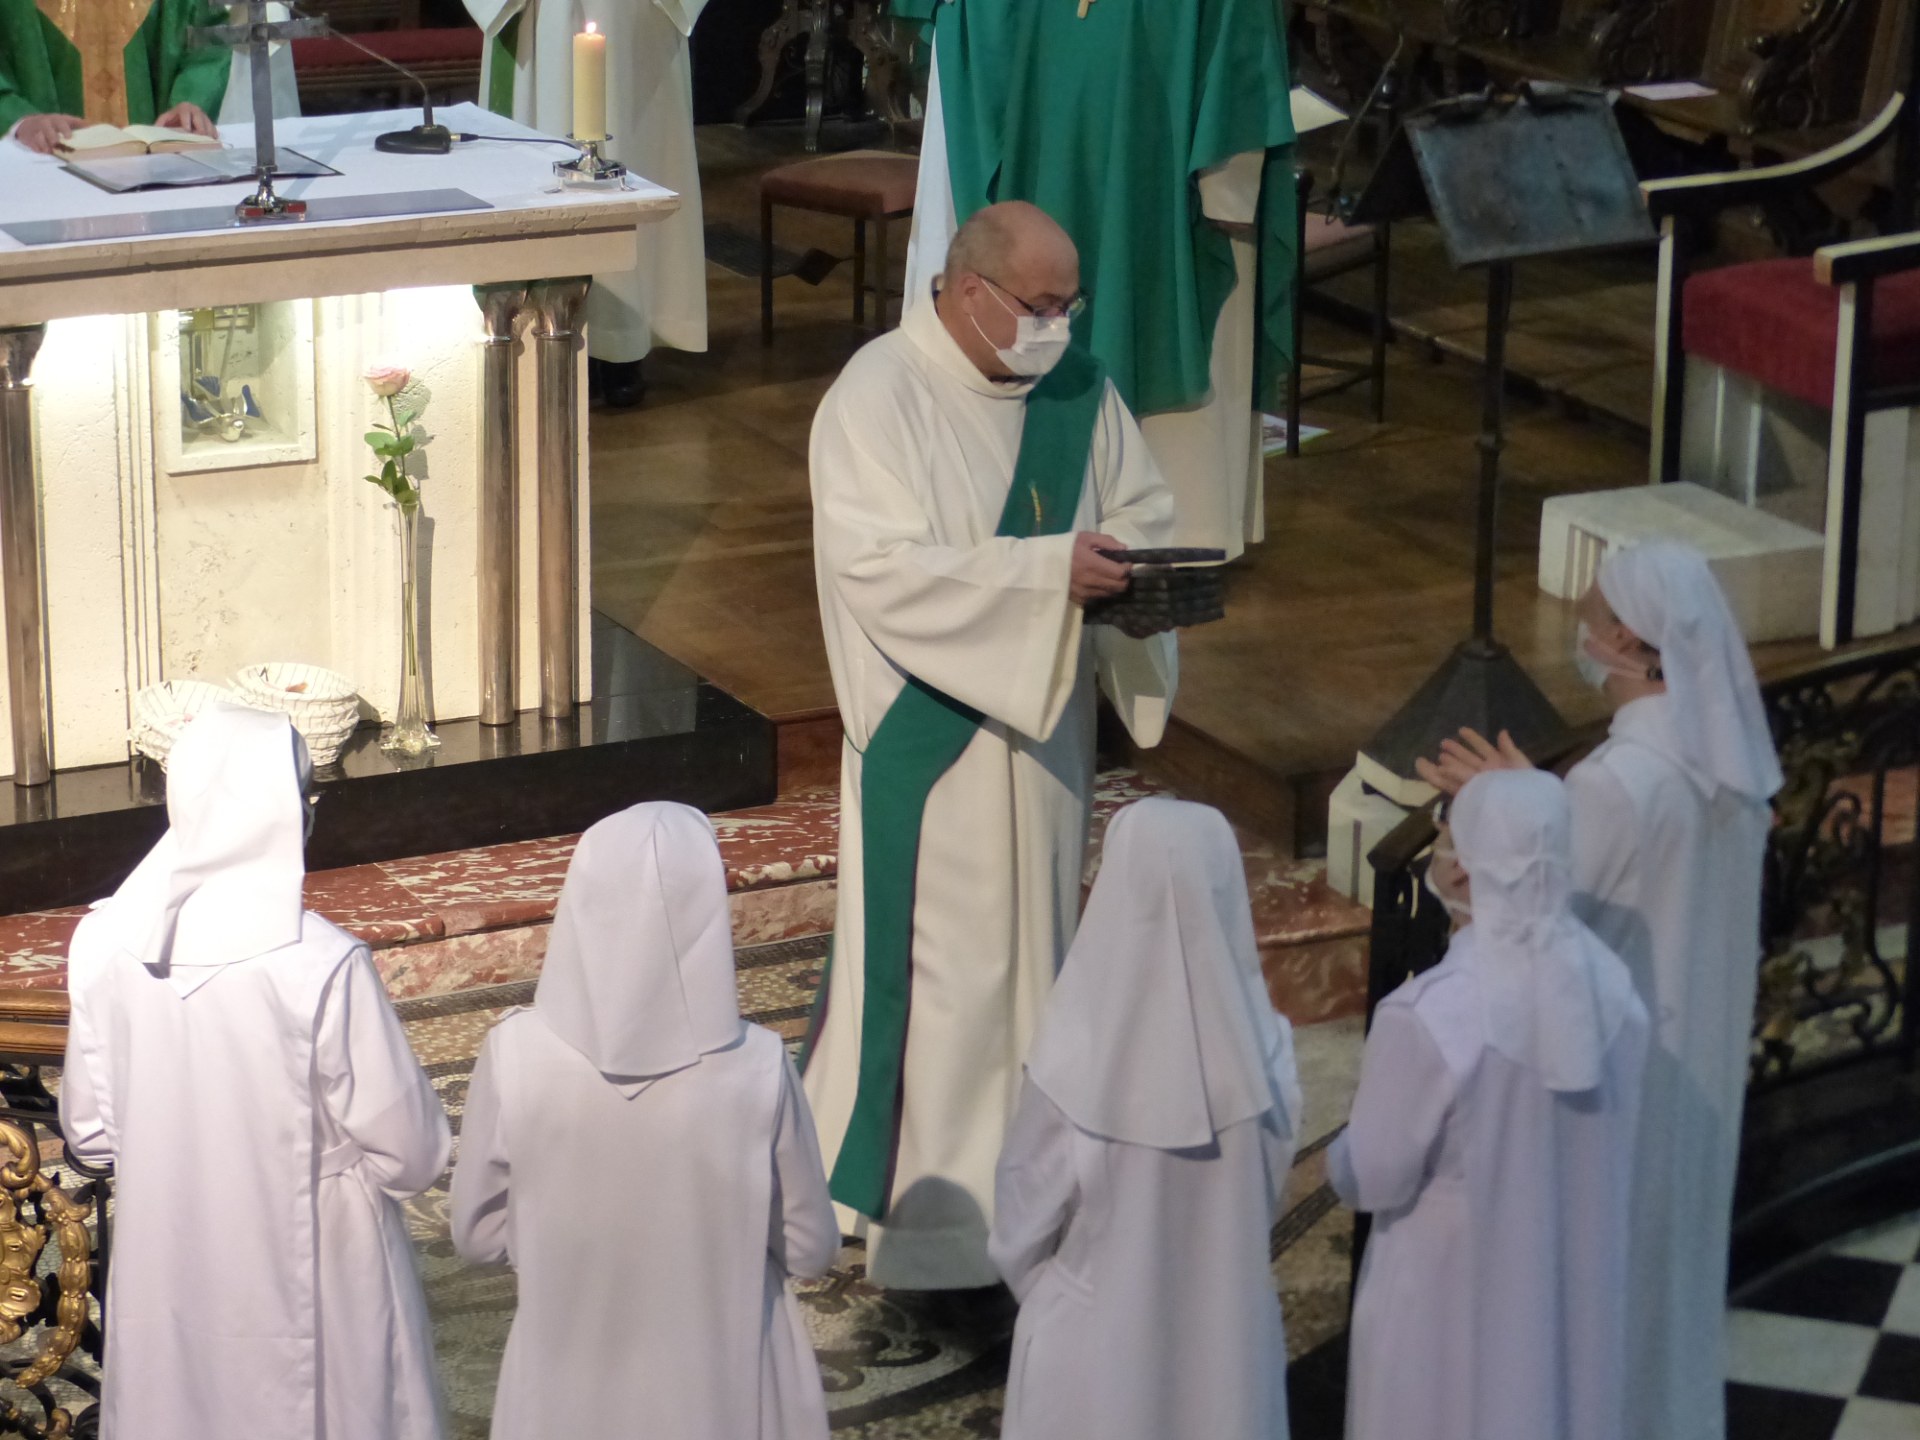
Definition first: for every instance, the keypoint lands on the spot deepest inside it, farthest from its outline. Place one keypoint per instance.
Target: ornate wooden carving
(1805, 73)
(1483, 20)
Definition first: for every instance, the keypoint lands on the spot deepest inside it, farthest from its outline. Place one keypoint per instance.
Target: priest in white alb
(234, 1057)
(527, 73)
(968, 470)
(1492, 1140)
(1670, 824)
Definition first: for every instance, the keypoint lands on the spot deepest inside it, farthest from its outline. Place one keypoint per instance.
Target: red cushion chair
(868, 186)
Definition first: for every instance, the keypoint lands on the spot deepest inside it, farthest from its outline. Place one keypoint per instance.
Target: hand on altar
(189, 117)
(40, 133)
(1094, 577)
(1470, 755)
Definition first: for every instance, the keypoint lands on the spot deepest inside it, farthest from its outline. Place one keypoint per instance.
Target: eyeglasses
(1072, 310)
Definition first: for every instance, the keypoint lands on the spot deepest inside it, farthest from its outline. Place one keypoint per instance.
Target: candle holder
(591, 169)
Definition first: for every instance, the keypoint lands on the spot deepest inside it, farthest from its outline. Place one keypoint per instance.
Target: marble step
(440, 924)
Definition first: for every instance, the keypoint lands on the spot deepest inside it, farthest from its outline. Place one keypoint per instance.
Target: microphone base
(420, 140)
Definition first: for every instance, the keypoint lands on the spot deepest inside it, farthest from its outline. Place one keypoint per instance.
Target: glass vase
(409, 733)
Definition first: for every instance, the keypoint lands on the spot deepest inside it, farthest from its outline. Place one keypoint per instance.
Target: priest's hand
(1470, 755)
(41, 133)
(189, 117)
(1094, 577)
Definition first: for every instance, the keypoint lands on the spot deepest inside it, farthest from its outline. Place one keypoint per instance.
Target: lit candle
(589, 85)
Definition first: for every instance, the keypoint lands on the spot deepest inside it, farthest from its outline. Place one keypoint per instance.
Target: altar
(168, 548)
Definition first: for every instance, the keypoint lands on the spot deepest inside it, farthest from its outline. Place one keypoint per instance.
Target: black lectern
(1542, 171)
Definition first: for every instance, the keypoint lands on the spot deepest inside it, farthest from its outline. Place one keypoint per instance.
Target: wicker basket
(323, 705)
(162, 711)
(1170, 589)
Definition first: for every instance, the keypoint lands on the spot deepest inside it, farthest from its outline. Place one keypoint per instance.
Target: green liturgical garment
(918, 740)
(163, 69)
(39, 67)
(1106, 122)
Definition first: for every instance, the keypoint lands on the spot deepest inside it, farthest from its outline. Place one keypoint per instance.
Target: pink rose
(388, 380)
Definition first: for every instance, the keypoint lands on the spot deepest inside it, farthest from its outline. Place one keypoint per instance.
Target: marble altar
(147, 555)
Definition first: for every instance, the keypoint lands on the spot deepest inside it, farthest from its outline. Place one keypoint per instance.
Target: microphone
(426, 138)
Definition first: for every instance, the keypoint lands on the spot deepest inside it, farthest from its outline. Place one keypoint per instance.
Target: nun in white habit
(234, 1057)
(1670, 824)
(1492, 1139)
(646, 1161)
(1140, 1179)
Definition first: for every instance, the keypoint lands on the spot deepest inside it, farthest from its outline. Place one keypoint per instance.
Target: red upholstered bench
(446, 59)
(1774, 320)
(866, 186)
(1839, 331)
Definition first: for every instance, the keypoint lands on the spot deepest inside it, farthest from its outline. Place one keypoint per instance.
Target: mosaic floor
(898, 1366)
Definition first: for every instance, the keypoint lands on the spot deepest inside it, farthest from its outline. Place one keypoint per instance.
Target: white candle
(589, 85)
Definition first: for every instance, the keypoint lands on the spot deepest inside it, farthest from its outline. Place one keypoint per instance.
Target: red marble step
(440, 923)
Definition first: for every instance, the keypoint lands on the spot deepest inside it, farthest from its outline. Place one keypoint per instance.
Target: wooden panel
(1799, 63)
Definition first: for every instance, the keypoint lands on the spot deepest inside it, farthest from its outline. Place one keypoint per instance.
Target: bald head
(1010, 238)
(1007, 262)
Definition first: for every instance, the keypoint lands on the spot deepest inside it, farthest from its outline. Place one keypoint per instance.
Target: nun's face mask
(1447, 881)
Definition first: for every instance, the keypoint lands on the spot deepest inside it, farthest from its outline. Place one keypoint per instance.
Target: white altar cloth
(533, 228)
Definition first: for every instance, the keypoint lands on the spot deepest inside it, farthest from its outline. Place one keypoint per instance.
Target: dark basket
(1171, 589)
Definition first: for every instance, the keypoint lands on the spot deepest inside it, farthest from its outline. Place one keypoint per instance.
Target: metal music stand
(1542, 171)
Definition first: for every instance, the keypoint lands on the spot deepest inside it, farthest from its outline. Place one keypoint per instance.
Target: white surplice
(238, 1063)
(1138, 1187)
(1490, 1304)
(663, 299)
(1210, 452)
(1670, 878)
(652, 1295)
(912, 458)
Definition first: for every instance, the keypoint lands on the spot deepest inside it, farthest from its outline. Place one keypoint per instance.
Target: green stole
(1106, 123)
(501, 61)
(39, 66)
(917, 741)
(163, 69)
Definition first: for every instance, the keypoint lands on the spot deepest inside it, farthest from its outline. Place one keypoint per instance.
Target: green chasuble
(1106, 124)
(39, 67)
(918, 740)
(163, 70)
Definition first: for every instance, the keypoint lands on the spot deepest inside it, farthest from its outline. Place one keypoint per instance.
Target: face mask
(1596, 660)
(1038, 343)
(1455, 906)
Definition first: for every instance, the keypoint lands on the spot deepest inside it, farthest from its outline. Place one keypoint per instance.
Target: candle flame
(592, 29)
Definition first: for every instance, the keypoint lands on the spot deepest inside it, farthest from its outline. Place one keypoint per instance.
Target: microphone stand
(426, 138)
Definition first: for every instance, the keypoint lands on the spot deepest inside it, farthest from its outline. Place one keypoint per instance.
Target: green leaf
(379, 436)
(403, 446)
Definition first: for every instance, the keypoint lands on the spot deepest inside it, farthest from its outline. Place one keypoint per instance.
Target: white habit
(237, 1061)
(1492, 1139)
(663, 299)
(1209, 454)
(1139, 1184)
(236, 107)
(645, 1160)
(1670, 823)
(912, 459)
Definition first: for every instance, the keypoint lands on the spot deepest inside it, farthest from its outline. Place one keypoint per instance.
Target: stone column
(22, 581)
(499, 514)
(557, 305)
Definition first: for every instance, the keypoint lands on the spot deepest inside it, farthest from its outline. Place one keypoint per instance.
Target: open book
(109, 142)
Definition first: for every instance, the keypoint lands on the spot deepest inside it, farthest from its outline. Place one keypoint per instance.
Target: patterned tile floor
(1830, 1348)
(898, 1366)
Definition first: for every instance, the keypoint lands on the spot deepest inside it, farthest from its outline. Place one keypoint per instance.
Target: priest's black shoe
(621, 385)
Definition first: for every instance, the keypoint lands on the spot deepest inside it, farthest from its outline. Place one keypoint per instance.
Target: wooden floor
(701, 528)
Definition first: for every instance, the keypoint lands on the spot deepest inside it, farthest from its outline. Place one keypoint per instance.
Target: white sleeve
(804, 1236)
(84, 1126)
(991, 625)
(1136, 508)
(1605, 837)
(482, 1198)
(373, 1087)
(1033, 1191)
(1382, 1160)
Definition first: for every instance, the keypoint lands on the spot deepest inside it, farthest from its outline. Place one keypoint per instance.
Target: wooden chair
(867, 186)
(1838, 330)
(1328, 248)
